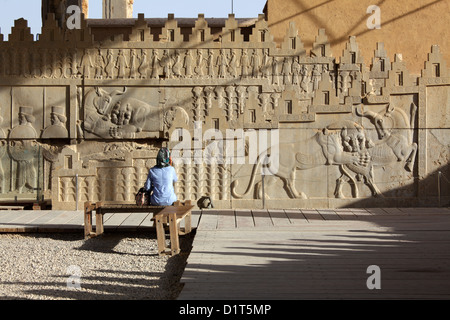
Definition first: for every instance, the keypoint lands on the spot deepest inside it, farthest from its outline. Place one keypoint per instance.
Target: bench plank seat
(171, 215)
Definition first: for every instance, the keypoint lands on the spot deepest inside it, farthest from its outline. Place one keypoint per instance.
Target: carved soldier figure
(287, 70)
(316, 75)
(233, 64)
(265, 69)
(177, 65)
(255, 63)
(305, 79)
(345, 82)
(296, 68)
(188, 63)
(155, 65)
(244, 64)
(275, 71)
(109, 69)
(57, 129)
(25, 129)
(222, 64)
(23, 149)
(143, 67)
(121, 65)
(200, 69)
(74, 65)
(86, 64)
(166, 63)
(99, 65)
(265, 98)
(133, 64)
(211, 71)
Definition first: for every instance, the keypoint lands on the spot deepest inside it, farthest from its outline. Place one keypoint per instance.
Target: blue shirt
(161, 180)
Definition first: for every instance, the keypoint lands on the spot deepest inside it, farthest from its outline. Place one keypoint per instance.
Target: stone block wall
(231, 105)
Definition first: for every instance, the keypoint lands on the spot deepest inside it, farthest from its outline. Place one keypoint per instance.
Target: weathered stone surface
(83, 119)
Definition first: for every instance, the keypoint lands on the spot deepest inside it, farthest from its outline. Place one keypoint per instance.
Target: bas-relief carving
(57, 129)
(346, 145)
(147, 89)
(114, 115)
(112, 172)
(24, 150)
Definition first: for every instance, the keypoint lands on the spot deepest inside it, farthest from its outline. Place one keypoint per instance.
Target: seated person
(160, 180)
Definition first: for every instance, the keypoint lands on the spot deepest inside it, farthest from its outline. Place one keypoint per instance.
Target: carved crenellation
(435, 66)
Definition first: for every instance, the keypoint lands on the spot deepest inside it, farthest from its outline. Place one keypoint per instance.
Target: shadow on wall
(402, 254)
(432, 191)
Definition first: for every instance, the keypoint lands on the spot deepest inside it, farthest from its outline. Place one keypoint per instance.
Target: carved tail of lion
(235, 183)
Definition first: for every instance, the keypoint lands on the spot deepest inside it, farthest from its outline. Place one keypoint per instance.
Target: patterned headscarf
(163, 157)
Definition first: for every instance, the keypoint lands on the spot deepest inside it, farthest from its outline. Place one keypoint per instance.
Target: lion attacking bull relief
(347, 145)
(343, 144)
(113, 115)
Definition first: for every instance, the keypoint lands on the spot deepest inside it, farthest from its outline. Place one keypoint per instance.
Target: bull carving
(395, 133)
(346, 145)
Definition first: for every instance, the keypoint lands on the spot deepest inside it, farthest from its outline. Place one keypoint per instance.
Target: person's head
(163, 157)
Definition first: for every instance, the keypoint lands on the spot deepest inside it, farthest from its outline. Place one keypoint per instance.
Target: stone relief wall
(92, 115)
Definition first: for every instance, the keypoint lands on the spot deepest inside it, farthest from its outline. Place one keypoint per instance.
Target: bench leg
(87, 219)
(99, 223)
(174, 241)
(188, 223)
(160, 234)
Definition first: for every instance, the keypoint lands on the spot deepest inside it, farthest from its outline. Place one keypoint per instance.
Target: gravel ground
(65, 266)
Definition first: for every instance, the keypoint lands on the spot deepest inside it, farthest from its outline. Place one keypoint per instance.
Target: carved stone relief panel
(21, 169)
(115, 113)
(344, 131)
(110, 173)
(438, 152)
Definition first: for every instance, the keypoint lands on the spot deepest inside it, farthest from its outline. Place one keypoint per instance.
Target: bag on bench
(142, 197)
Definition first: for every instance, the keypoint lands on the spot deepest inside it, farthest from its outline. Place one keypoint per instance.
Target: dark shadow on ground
(113, 282)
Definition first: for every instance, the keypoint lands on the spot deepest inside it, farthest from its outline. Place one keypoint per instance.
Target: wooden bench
(24, 204)
(171, 215)
(12, 207)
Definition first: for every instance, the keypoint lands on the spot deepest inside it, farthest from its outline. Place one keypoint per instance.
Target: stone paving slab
(294, 253)
(321, 254)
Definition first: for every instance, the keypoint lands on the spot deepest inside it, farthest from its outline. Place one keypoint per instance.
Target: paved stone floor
(320, 254)
(295, 254)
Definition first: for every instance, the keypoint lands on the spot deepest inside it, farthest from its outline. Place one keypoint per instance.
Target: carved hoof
(339, 195)
(300, 195)
(378, 195)
(409, 166)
